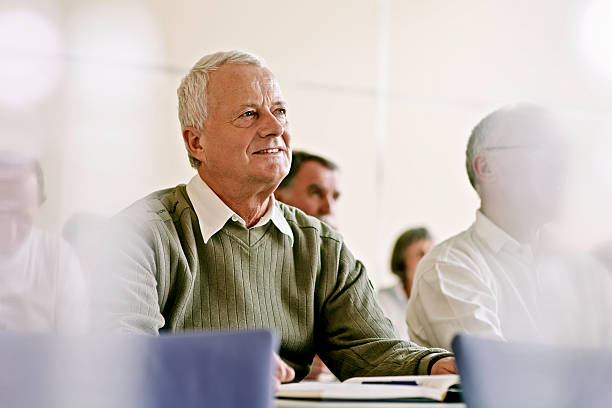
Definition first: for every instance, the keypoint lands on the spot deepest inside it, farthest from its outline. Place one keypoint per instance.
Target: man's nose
(328, 205)
(270, 125)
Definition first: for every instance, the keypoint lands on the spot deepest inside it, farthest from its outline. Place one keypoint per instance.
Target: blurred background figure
(42, 288)
(409, 248)
(603, 253)
(499, 278)
(85, 232)
(312, 185)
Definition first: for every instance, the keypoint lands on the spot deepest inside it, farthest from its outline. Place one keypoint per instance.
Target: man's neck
(249, 202)
(518, 226)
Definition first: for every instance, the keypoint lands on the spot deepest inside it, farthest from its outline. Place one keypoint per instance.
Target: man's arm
(448, 299)
(356, 338)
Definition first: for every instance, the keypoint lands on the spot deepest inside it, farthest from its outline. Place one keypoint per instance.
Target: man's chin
(271, 171)
(271, 179)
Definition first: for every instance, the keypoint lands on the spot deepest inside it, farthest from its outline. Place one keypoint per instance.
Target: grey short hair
(475, 146)
(192, 98)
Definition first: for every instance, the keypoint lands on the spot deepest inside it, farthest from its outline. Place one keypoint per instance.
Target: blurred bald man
(495, 279)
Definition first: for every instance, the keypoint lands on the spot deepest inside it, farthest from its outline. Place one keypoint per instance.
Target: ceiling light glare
(30, 64)
(596, 34)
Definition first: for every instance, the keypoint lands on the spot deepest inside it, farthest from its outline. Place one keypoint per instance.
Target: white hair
(192, 98)
(476, 145)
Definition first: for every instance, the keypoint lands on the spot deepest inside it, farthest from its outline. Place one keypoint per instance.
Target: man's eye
(281, 111)
(248, 114)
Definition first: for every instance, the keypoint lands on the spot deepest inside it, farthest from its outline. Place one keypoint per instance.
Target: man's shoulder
(153, 215)
(459, 250)
(160, 205)
(301, 222)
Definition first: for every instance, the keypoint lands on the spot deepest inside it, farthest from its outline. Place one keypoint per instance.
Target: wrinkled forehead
(243, 83)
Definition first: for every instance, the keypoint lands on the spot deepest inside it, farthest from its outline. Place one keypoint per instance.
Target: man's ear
(483, 169)
(193, 141)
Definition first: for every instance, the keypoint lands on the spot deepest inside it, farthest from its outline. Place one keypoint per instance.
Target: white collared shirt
(213, 213)
(42, 287)
(484, 282)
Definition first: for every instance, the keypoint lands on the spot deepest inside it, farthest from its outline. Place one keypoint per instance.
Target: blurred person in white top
(408, 250)
(499, 278)
(42, 288)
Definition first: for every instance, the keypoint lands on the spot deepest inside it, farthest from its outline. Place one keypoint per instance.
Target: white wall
(108, 134)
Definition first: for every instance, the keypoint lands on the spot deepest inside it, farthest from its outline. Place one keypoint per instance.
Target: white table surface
(289, 403)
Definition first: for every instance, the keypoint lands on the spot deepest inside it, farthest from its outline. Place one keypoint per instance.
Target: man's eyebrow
(247, 105)
(243, 107)
(255, 105)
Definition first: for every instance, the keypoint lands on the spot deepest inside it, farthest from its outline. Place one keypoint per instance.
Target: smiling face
(245, 141)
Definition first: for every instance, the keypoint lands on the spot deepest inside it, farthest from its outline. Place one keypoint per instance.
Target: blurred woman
(408, 250)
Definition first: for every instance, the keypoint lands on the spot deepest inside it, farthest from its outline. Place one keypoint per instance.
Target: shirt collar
(213, 213)
(495, 237)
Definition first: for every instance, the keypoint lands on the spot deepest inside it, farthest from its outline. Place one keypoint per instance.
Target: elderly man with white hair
(220, 253)
(499, 278)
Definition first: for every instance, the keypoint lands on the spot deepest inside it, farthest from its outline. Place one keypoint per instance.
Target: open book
(394, 388)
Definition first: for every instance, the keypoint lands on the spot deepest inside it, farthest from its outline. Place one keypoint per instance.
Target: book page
(356, 391)
(438, 382)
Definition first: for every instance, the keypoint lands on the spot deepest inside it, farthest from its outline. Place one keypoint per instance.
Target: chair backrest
(504, 374)
(231, 370)
(220, 370)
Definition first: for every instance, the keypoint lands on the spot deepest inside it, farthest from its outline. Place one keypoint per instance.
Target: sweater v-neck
(250, 237)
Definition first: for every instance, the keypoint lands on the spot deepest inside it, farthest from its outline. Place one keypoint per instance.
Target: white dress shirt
(42, 287)
(213, 213)
(393, 301)
(484, 282)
